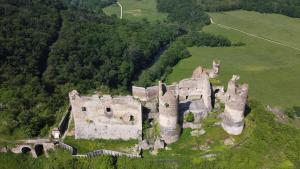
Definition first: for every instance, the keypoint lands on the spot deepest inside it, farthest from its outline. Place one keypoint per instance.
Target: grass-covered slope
(264, 143)
(270, 69)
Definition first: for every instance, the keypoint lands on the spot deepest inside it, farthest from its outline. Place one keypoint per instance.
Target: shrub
(190, 117)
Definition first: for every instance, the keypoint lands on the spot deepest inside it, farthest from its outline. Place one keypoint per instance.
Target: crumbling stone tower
(168, 114)
(215, 69)
(235, 103)
(212, 73)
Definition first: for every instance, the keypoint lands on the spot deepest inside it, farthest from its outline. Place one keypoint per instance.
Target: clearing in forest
(136, 10)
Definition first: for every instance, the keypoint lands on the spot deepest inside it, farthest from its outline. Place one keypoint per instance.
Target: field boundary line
(253, 35)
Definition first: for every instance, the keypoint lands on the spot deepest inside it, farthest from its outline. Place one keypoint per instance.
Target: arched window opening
(25, 150)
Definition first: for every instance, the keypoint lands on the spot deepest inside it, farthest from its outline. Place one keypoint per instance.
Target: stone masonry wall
(106, 117)
(235, 103)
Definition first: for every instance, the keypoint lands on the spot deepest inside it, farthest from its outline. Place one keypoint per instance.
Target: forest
(48, 48)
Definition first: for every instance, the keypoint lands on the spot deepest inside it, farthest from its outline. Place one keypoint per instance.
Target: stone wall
(145, 94)
(112, 153)
(106, 117)
(196, 89)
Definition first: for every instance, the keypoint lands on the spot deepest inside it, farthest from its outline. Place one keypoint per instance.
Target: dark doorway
(39, 149)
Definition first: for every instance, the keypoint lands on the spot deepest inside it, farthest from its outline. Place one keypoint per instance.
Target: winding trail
(255, 36)
(121, 8)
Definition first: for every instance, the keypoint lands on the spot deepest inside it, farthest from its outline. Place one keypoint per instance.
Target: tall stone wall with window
(106, 117)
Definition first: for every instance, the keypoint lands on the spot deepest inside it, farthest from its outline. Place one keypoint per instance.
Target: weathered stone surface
(192, 125)
(235, 103)
(229, 141)
(145, 94)
(55, 133)
(196, 89)
(198, 132)
(212, 73)
(106, 117)
(209, 156)
(168, 114)
(144, 145)
(3, 150)
(159, 144)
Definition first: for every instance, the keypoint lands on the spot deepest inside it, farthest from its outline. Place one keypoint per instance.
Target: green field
(272, 70)
(136, 10)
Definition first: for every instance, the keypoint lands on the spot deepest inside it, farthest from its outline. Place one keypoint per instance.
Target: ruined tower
(235, 103)
(215, 69)
(212, 73)
(168, 114)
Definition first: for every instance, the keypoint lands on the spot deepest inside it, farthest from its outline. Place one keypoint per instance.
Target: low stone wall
(71, 149)
(95, 153)
(112, 153)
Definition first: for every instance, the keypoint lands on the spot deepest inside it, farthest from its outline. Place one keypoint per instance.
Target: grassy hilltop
(271, 70)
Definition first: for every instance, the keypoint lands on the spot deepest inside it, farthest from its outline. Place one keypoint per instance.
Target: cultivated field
(136, 9)
(272, 70)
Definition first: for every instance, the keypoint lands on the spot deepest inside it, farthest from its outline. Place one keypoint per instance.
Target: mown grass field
(137, 10)
(271, 70)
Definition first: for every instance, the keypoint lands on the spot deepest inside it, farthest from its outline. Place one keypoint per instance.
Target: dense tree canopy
(48, 48)
(186, 13)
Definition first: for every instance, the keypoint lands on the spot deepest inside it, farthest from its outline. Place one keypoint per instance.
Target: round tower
(235, 103)
(168, 114)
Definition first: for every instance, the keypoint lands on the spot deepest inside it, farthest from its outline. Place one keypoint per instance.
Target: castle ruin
(121, 117)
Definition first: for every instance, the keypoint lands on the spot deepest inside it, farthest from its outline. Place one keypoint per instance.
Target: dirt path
(255, 36)
(121, 8)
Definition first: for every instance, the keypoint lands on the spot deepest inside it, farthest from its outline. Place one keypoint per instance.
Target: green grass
(271, 70)
(84, 146)
(137, 10)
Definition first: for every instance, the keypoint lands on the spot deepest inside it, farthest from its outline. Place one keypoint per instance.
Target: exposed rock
(229, 141)
(209, 156)
(3, 150)
(218, 123)
(192, 125)
(204, 147)
(154, 152)
(197, 132)
(159, 144)
(144, 145)
(168, 148)
(209, 141)
(279, 114)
